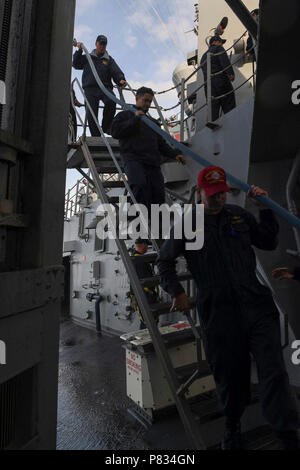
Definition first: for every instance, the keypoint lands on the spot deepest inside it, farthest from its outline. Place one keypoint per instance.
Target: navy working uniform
(221, 83)
(237, 314)
(107, 70)
(144, 270)
(141, 149)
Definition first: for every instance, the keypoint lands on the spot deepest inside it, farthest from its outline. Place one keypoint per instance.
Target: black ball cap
(101, 39)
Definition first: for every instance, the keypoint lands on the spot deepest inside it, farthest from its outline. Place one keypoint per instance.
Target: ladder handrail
(293, 220)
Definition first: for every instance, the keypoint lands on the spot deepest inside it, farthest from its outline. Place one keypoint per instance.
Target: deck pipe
(97, 314)
(91, 297)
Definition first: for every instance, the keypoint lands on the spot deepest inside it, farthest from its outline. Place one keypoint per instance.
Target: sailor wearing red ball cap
(237, 313)
(212, 188)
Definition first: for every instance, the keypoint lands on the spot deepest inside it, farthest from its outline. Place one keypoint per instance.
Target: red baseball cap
(213, 180)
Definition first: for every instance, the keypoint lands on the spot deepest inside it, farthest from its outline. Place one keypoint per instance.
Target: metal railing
(74, 198)
(210, 98)
(183, 99)
(194, 71)
(83, 123)
(183, 121)
(81, 195)
(293, 220)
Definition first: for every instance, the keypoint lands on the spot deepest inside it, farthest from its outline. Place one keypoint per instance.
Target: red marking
(181, 325)
(133, 366)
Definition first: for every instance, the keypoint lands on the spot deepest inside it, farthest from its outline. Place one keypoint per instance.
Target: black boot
(232, 438)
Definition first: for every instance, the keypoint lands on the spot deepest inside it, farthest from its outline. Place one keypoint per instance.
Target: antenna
(196, 20)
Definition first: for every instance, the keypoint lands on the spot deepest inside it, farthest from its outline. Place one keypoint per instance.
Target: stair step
(99, 144)
(106, 169)
(115, 200)
(113, 184)
(163, 308)
(185, 372)
(76, 159)
(105, 156)
(155, 280)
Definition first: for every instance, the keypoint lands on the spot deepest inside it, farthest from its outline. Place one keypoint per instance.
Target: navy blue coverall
(141, 149)
(107, 70)
(220, 85)
(237, 314)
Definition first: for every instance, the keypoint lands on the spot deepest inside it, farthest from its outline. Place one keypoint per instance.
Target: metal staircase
(90, 153)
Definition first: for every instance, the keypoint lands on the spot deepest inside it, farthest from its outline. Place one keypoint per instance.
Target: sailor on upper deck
(221, 83)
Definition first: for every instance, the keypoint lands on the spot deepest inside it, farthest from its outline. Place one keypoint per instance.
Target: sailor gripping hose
(293, 220)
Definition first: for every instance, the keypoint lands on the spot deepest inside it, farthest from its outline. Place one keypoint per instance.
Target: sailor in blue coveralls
(237, 314)
(141, 149)
(107, 70)
(221, 84)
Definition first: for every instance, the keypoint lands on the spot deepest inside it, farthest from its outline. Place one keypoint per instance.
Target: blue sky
(146, 38)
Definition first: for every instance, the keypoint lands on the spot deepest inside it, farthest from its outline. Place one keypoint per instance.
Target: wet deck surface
(92, 401)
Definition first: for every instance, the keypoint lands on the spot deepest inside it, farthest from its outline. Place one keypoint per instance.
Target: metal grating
(18, 410)
(8, 402)
(5, 29)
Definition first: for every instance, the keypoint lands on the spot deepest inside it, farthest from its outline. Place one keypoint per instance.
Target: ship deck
(92, 401)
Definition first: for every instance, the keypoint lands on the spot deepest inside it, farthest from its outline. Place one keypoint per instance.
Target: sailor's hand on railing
(123, 83)
(283, 273)
(231, 78)
(181, 159)
(180, 303)
(256, 191)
